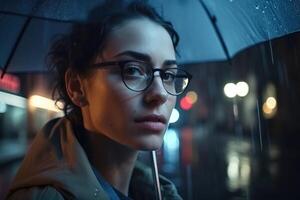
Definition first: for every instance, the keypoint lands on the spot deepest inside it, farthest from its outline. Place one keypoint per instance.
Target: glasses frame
(122, 63)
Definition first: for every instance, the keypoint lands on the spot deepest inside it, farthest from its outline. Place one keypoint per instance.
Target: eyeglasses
(138, 76)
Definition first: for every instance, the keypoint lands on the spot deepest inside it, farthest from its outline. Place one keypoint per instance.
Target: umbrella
(210, 30)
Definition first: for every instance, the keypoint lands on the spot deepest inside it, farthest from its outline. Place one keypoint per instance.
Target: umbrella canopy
(210, 30)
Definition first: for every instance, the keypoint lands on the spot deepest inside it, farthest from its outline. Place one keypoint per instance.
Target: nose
(156, 93)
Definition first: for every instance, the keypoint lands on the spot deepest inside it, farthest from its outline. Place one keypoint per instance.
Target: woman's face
(137, 120)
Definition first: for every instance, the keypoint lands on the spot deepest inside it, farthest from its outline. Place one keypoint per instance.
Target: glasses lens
(136, 75)
(175, 81)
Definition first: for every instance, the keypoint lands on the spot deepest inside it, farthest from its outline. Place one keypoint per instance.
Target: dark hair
(86, 40)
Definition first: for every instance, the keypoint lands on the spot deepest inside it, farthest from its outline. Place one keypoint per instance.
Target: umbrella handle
(156, 176)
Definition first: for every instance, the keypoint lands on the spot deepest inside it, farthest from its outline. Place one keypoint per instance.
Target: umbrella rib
(32, 16)
(25, 25)
(213, 20)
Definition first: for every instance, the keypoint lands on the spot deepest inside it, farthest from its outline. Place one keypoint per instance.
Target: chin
(149, 143)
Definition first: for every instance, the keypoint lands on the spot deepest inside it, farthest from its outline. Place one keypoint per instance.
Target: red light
(187, 146)
(185, 103)
(189, 99)
(10, 83)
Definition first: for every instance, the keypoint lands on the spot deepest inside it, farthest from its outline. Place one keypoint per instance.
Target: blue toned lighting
(3, 107)
(171, 141)
(13, 100)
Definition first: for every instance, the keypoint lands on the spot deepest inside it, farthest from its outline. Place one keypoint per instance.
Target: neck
(115, 162)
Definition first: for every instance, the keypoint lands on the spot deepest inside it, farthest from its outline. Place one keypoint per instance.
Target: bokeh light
(269, 107)
(242, 89)
(230, 90)
(44, 103)
(171, 141)
(192, 97)
(271, 102)
(266, 109)
(174, 116)
(185, 103)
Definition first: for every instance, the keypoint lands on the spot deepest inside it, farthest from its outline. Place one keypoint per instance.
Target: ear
(75, 88)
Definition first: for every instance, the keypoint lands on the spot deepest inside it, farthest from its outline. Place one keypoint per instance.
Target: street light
(242, 89)
(232, 90)
(270, 107)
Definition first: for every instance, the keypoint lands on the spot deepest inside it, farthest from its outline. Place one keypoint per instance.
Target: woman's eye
(133, 70)
(168, 76)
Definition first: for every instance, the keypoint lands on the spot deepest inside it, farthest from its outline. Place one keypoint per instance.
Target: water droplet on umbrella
(257, 7)
(263, 12)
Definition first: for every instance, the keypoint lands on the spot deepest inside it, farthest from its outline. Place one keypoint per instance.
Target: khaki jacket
(56, 167)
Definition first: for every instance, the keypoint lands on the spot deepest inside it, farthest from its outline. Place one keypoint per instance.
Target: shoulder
(168, 189)
(36, 193)
(142, 184)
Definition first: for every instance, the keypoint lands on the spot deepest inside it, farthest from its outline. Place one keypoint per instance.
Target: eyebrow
(144, 57)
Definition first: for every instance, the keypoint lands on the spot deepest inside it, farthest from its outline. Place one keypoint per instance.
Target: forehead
(140, 35)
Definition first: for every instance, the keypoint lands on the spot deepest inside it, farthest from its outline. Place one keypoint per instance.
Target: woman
(118, 80)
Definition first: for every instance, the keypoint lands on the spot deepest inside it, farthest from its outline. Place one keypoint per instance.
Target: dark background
(219, 156)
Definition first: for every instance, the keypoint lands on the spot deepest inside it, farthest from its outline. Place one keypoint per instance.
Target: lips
(151, 118)
(154, 123)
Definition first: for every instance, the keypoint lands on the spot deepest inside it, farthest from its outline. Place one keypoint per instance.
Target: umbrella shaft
(156, 176)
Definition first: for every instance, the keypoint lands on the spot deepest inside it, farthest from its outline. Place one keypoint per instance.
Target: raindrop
(271, 49)
(267, 1)
(257, 7)
(263, 12)
(230, 0)
(259, 124)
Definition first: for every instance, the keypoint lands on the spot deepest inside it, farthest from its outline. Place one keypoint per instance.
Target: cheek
(112, 105)
(108, 114)
(103, 99)
(172, 102)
